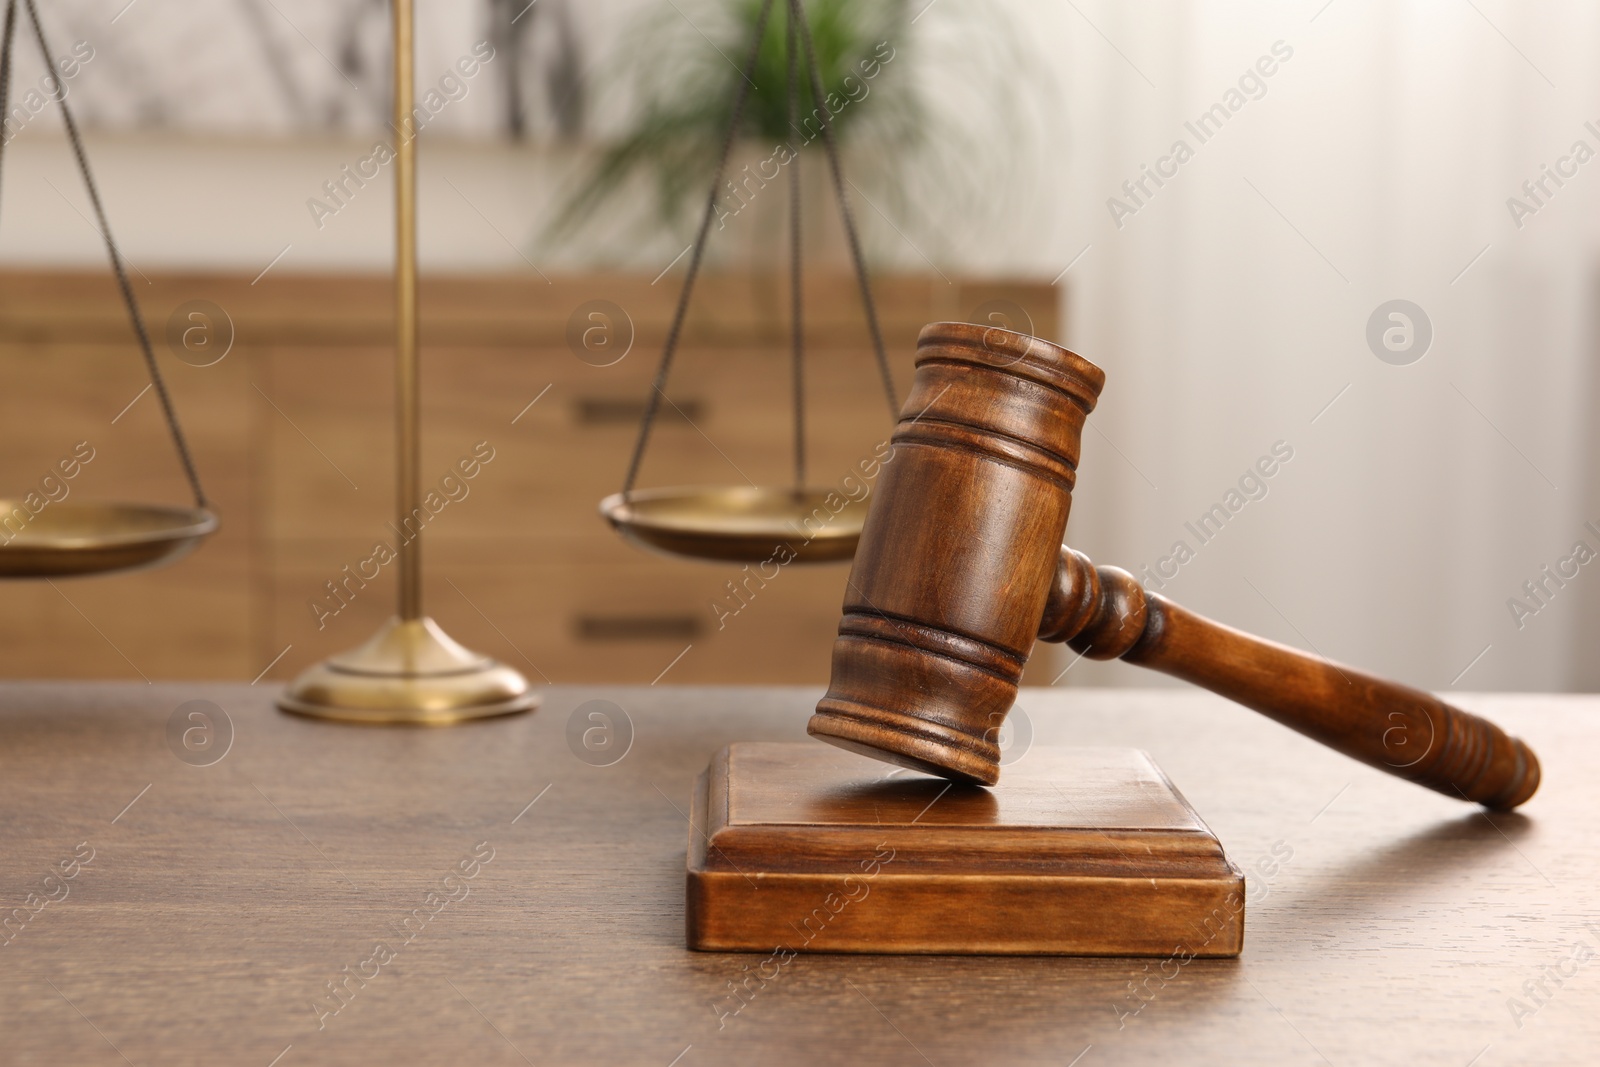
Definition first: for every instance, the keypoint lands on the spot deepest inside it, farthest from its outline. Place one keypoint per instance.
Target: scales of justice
(958, 568)
(411, 671)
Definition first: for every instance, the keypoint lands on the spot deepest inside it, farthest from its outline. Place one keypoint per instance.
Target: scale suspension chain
(797, 29)
(5, 68)
(60, 97)
(832, 149)
(797, 330)
(653, 405)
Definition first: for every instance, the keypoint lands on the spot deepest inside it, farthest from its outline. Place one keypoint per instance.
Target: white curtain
(1230, 309)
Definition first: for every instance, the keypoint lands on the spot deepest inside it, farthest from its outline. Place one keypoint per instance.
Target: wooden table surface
(1395, 926)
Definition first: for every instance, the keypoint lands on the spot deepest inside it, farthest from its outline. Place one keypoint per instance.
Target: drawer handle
(614, 411)
(639, 627)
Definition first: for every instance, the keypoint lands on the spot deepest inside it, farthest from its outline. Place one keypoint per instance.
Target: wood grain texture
(1087, 852)
(958, 552)
(1104, 613)
(1388, 925)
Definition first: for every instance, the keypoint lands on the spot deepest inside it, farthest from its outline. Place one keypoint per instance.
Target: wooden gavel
(961, 566)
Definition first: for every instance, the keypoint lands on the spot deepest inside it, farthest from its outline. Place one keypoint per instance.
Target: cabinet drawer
(624, 623)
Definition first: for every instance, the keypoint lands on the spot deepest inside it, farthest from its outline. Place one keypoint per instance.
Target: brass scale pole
(410, 671)
(408, 412)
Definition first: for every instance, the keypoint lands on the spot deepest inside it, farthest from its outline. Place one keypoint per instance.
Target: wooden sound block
(799, 847)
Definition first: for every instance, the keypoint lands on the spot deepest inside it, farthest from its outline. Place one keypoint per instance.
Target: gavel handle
(1105, 614)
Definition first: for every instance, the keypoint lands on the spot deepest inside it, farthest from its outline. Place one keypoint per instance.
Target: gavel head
(959, 551)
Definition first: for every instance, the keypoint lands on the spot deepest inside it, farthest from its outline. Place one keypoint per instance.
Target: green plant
(935, 121)
(685, 84)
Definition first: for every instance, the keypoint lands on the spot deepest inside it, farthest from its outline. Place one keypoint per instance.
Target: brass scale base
(410, 671)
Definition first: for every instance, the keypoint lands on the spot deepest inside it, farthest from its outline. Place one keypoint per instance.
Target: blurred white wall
(1229, 308)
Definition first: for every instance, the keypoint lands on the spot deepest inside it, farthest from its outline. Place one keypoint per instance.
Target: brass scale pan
(751, 523)
(72, 538)
(76, 538)
(737, 523)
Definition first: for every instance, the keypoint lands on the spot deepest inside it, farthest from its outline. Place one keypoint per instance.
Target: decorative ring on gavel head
(960, 550)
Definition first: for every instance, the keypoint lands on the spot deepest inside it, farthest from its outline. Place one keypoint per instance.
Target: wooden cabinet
(293, 430)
